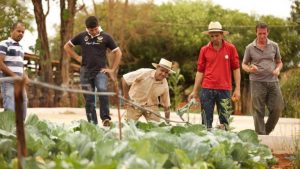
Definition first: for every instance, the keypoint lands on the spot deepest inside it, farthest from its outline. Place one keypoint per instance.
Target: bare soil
(283, 161)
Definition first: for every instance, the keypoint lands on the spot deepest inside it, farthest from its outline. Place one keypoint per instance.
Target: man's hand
(110, 72)
(236, 95)
(252, 68)
(78, 58)
(276, 72)
(193, 95)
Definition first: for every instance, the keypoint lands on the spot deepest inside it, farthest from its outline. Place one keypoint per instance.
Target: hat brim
(207, 32)
(163, 66)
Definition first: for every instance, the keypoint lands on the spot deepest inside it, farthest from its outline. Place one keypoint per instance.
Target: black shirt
(94, 49)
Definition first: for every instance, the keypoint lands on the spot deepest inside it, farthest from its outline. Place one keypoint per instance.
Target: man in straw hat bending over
(216, 61)
(148, 88)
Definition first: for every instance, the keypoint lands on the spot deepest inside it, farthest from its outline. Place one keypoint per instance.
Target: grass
(296, 161)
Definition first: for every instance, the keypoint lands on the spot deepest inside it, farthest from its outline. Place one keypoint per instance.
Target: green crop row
(143, 146)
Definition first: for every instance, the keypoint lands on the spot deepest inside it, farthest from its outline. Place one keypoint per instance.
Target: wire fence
(66, 89)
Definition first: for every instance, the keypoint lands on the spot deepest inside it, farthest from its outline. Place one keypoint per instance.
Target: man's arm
(4, 68)
(237, 80)
(117, 54)
(279, 65)
(167, 112)
(245, 67)
(125, 88)
(197, 84)
(70, 52)
(249, 68)
(112, 71)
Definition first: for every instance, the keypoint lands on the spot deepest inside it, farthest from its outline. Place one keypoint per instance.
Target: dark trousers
(266, 95)
(91, 83)
(208, 99)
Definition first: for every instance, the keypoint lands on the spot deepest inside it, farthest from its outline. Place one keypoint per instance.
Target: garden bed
(284, 161)
(66, 115)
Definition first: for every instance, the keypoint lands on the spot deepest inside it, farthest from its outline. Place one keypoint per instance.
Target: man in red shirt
(216, 61)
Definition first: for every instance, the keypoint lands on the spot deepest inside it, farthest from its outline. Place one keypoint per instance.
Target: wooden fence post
(19, 108)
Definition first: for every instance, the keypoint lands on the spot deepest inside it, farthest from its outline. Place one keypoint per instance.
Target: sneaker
(106, 123)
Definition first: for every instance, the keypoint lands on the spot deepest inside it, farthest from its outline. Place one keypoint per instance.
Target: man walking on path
(216, 61)
(11, 65)
(262, 60)
(94, 72)
(148, 88)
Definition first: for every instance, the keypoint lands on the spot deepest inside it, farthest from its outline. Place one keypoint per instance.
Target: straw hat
(165, 64)
(215, 27)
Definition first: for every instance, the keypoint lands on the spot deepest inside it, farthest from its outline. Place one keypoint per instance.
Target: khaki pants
(135, 113)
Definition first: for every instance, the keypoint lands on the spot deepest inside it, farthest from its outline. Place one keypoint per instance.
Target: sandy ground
(283, 139)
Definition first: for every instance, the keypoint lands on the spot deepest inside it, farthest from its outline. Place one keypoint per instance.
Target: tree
(12, 11)
(295, 12)
(45, 63)
(146, 32)
(67, 14)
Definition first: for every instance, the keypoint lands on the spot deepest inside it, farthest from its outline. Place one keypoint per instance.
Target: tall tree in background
(67, 14)
(295, 13)
(45, 63)
(12, 11)
(123, 29)
(114, 19)
(110, 25)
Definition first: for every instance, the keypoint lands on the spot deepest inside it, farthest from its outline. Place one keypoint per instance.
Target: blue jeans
(91, 83)
(208, 99)
(7, 92)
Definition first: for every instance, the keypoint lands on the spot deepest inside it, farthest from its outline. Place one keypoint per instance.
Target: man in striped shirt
(11, 65)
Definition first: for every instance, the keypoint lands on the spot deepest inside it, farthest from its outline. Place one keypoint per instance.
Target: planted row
(144, 146)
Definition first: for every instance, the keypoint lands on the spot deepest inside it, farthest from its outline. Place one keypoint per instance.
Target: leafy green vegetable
(144, 146)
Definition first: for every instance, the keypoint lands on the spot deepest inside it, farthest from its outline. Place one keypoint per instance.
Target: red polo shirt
(216, 65)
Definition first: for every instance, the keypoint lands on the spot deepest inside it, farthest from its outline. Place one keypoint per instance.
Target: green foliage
(296, 156)
(226, 104)
(12, 11)
(173, 31)
(5, 121)
(249, 136)
(157, 145)
(296, 161)
(81, 101)
(176, 88)
(291, 94)
(295, 13)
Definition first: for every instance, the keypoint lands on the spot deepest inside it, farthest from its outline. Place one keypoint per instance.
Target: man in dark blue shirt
(94, 71)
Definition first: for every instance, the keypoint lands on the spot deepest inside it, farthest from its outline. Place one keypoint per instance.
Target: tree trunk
(123, 29)
(110, 16)
(246, 98)
(67, 15)
(45, 62)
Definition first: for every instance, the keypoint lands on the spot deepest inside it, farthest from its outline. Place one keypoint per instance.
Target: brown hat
(165, 64)
(215, 27)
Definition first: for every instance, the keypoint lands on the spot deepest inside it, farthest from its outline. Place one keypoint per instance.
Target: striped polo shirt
(14, 55)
